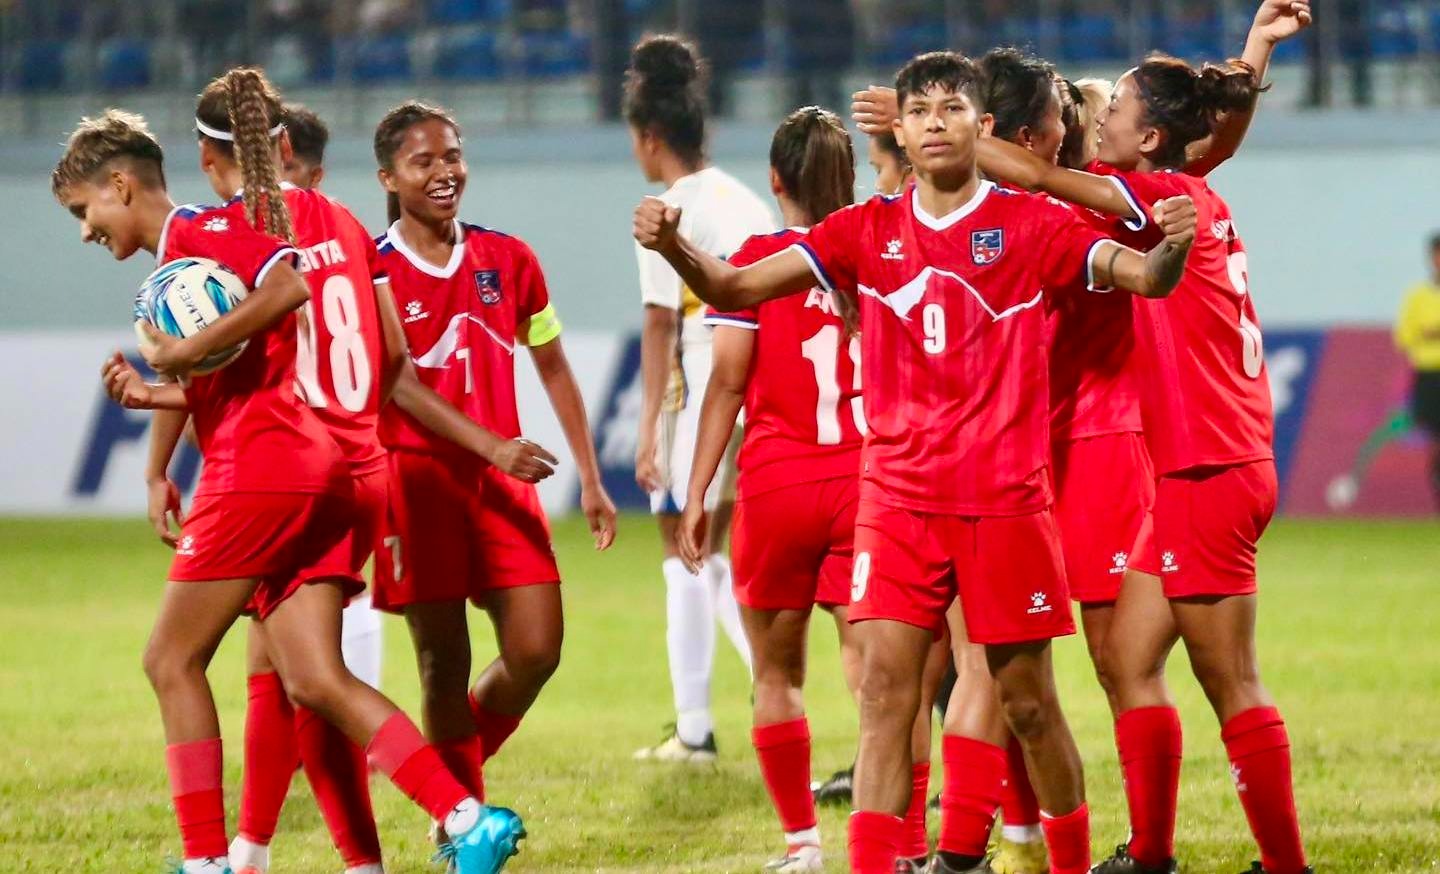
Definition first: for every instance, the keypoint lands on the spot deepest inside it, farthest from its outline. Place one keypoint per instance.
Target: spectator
(1344, 30)
(821, 39)
(1417, 333)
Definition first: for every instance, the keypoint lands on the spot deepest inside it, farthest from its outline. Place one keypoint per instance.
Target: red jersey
(339, 357)
(1204, 390)
(255, 431)
(954, 335)
(463, 322)
(796, 429)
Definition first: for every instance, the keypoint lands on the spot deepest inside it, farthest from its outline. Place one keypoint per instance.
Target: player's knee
(1028, 715)
(534, 664)
(887, 694)
(166, 666)
(318, 688)
(441, 672)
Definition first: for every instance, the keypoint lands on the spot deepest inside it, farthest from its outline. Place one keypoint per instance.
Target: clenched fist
(1175, 217)
(656, 223)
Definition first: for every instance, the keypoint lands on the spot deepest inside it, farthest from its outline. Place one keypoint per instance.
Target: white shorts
(678, 432)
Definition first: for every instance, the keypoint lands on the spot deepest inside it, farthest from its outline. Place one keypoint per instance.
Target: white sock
(249, 855)
(214, 865)
(462, 818)
(362, 639)
(372, 868)
(722, 588)
(807, 837)
(690, 639)
(1022, 834)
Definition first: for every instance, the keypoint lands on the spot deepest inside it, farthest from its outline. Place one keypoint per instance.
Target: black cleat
(1257, 868)
(836, 790)
(1123, 863)
(938, 865)
(911, 866)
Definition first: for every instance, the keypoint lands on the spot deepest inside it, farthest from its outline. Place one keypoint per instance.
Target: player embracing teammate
(950, 279)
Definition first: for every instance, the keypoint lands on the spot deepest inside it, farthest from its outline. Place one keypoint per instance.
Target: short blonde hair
(96, 142)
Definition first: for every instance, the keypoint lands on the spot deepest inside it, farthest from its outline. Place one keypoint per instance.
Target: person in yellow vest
(1417, 333)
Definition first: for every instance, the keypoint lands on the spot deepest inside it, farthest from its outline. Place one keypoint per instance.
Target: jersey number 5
(822, 350)
(350, 372)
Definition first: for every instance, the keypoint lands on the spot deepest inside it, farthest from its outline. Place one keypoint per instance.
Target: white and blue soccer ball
(184, 297)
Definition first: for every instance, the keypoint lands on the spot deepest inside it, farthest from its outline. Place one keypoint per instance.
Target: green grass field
(1349, 633)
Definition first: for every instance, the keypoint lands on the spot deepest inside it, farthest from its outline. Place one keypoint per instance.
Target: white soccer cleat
(673, 749)
(805, 857)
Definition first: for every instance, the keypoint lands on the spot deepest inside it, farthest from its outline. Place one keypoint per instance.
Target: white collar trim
(939, 224)
(457, 253)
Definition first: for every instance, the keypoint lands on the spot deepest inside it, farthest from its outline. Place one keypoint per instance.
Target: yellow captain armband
(541, 328)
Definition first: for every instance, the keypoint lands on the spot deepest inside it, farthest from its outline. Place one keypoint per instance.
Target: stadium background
(1333, 192)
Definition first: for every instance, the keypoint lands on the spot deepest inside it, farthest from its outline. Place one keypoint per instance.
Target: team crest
(487, 285)
(986, 246)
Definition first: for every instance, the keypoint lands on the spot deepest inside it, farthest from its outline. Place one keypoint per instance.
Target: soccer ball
(186, 296)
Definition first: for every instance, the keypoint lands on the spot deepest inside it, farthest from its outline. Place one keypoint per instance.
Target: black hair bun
(666, 62)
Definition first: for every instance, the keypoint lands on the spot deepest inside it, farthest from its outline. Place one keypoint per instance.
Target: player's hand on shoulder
(1278, 20)
(656, 223)
(1175, 217)
(168, 356)
(124, 384)
(163, 505)
(599, 511)
(692, 535)
(524, 460)
(875, 109)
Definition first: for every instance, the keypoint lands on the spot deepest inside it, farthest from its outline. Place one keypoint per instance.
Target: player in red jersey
(458, 529)
(273, 501)
(1208, 423)
(950, 279)
(794, 521)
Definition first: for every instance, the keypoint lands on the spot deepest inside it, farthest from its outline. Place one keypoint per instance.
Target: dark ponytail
(1187, 103)
(665, 93)
(243, 104)
(390, 133)
(812, 154)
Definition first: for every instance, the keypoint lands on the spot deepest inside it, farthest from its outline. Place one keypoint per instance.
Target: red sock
(974, 773)
(1259, 751)
(874, 839)
(1017, 797)
(270, 757)
(783, 749)
(914, 842)
(399, 751)
(195, 785)
(465, 758)
(495, 728)
(340, 779)
(1067, 838)
(1150, 744)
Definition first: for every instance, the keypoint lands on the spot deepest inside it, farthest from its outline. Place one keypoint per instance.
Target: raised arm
(1155, 273)
(281, 291)
(719, 284)
(724, 396)
(1275, 21)
(1019, 166)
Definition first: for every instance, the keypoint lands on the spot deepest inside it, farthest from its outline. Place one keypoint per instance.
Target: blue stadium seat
(467, 11)
(42, 65)
(553, 53)
(124, 64)
(383, 58)
(1091, 38)
(1392, 34)
(1193, 39)
(908, 40)
(467, 54)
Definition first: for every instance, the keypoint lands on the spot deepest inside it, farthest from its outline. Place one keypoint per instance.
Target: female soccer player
(954, 493)
(274, 502)
(1205, 400)
(665, 107)
(459, 529)
(887, 159)
(799, 467)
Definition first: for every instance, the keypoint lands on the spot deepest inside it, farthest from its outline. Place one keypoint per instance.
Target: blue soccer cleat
(487, 846)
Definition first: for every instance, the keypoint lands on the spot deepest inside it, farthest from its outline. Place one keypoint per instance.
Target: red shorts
(281, 539)
(1201, 537)
(451, 535)
(1104, 486)
(1006, 570)
(791, 547)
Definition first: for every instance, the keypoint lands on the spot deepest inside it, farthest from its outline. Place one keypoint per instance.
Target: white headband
(226, 135)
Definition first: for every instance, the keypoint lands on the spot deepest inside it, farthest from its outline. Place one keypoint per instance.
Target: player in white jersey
(665, 107)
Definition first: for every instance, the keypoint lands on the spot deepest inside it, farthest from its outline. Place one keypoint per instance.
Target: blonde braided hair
(243, 103)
